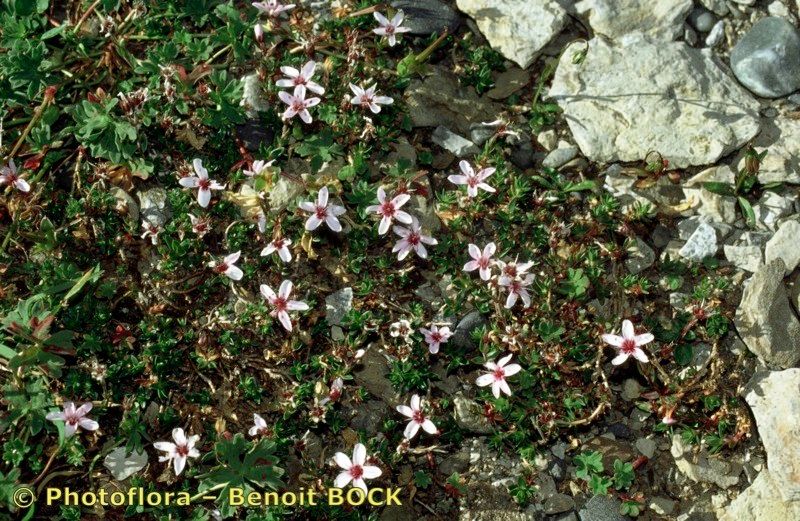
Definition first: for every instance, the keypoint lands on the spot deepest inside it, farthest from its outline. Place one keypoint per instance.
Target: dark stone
(557, 469)
(254, 133)
(523, 155)
(462, 336)
(620, 430)
(425, 17)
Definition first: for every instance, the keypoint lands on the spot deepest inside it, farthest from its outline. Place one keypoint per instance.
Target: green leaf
(92, 274)
(683, 354)
(719, 188)
(747, 211)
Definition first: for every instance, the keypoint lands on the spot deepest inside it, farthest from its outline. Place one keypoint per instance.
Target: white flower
(481, 260)
(272, 7)
(497, 376)
(258, 167)
(389, 210)
(9, 176)
(435, 336)
(368, 99)
(152, 231)
(227, 266)
(298, 104)
(401, 329)
(412, 239)
(418, 418)
(472, 179)
(322, 211)
(390, 29)
(200, 181)
(281, 303)
(259, 426)
(356, 470)
(200, 225)
(281, 246)
(180, 451)
(301, 77)
(74, 418)
(629, 344)
(513, 269)
(258, 31)
(517, 288)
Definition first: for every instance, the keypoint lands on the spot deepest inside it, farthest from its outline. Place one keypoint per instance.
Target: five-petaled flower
(411, 238)
(472, 179)
(301, 77)
(497, 376)
(258, 167)
(355, 470)
(281, 246)
(435, 336)
(389, 210)
(481, 261)
(200, 181)
(281, 304)
(200, 225)
(629, 344)
(272, 7)
(150, 230)
(418, 418)
(180, 451)
(368, 99)
(517, 288)
(298, 104)
(74, 418)
(259, 426)
(227, 266)
(322, 211)
(9, 176)
(390, 28)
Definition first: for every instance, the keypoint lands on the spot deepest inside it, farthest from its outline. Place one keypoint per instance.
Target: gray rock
(337, 305)
(631, 389)
(765, 320)
(154, 207)
(771, 208)
(425, 17)
(744, 257)
(469, 415)
(371, 374)
(462, 335)
(458, 462)
(523, 156)
(125, 203)
(559, 157)
(662, 506)
(761, 501)
(701, 244)
(767, 59)
(660, 19)
(518, 29)
(620, 430)
(369, 416)
(716, 34)
(558, 503)
(508, 82)
(601, 508)
(785, 245)
(123, 465)
(639, 94)
(782, 163)
(775, 401)
(718, 7)
(701, 467)
(253, 99)
(702, 19)
(453, 143)
(640, 256)
(646, 446)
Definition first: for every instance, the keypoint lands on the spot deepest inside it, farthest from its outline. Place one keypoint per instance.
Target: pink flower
(629, 344)
(411, 238)
(514, 269)
(336, 390)
(481, 260)
(435, 336)
(9, 176)
(259, 426)
(298, 104)
(258, 167)
(74, 418)
(281, 246)
(227, 267)
(368, 99)
(517, 288)
(497, 377)
(472, 179)
(200, 181)
(355, 470)
(150, 230)
(418, 419)
(389, 210)
(281, 303)
(272, 7)
(390, 29)
(301, 77)
(180, 451)
(258, 31)
(668, 419)
(322, 211)
(200, 225)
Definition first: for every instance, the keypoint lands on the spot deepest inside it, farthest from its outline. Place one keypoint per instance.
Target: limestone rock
(661, 19)
(761, 501)
(782, 163)
(767, 58)
(785, 245)
(703, 468)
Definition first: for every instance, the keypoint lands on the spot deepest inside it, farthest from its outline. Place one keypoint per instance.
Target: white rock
(785, 244)
(771, 208)
(452, 142)
(782, 163)
(637, 95)
(547, 139)
(701, 467)
(701, 244)
(761, 501)
(640, 256)
(518, 29)
(661, 19)
(715, 34)
(122, 466)
(773, 396)
(744, 257)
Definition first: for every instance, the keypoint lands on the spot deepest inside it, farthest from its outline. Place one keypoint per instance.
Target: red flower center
(322, 212)
(387, 209)
(628, 346)
(499, 374)
(299, 80)
(298, 105)
(204, 183)
(280, 304)
(182, 450)
(418, 417)
(472, 181)
(221, 267)
(356, 471)
(390, 29)
(436, 336)
(413, 239)
(278, 243)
